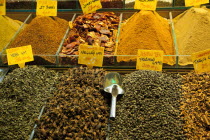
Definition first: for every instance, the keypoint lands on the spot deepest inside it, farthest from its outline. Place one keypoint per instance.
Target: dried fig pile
(93, 29)
(78, 110)
(196, 105)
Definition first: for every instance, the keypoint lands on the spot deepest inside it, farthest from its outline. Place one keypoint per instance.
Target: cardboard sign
(145, 4)
(90, 6)
(46, 8)
(2, 7)
(149, 60)
(91, 55)
(19, 55)
(70, 24)
(195, 2)
(201, 61)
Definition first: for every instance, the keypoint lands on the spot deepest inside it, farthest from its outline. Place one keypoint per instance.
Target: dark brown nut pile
(23, 92)
(196, 105)
(149, 109)
(93, 29)
(78, 110)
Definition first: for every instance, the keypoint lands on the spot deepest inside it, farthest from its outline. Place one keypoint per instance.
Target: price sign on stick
(145, 4)
(46, 8)
(70, 24)
(2, 7)
(90, 6)
(195, 2)
(20, 55)
(91, 55)
(201, 61)
(149, 60)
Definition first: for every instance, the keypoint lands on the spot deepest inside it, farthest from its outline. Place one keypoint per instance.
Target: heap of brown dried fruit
(93, 29)
(77, 110)
(196, 105)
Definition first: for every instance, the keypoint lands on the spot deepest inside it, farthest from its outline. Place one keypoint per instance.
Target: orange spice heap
(146, 30)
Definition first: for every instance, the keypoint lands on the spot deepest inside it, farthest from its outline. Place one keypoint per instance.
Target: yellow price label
(20, 55)
(91, 55)
(149, 60)
(90, 6)
(195, 2)
(201, 61)
(70, 24)
(2, 7)
(145, 4)
(46, 8)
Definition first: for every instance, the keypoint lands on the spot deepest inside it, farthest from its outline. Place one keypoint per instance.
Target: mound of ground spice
(192, 31)
(8, 27)
(145, 30)
(44, 34)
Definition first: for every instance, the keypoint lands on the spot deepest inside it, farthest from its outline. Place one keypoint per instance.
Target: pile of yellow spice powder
(146, 30)
(192, 30)
(8, 27)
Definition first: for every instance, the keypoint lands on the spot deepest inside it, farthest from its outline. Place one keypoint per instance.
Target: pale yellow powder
(192, 32)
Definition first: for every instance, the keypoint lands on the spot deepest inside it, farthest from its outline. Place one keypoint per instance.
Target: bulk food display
(8, 27)
(196, 105)
(97, 29)
(192, 32)
(77, 110)
(120, 33)
(23, 92)
(155, 105)
(150, 107)
(37, 103)
(44, 34)
(145, 30)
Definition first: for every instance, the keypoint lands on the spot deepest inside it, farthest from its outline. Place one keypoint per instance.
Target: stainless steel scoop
(112, 84)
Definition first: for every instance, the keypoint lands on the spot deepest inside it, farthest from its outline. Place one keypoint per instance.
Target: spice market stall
(162, 55)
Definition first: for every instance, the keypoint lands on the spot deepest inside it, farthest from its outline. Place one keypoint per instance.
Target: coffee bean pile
(23, 92)
(149, 109)
(77, 110)
(196, 105)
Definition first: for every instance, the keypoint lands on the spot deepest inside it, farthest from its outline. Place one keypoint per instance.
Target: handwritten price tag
(195, 2)
(91, 55)
(149, 60)
(201, 61)
(145, 4)
(70, 24)
(19, 55)
(46, 8)
(90, 6)
(2, 7)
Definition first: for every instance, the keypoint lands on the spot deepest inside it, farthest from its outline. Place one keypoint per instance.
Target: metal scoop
(112, 84)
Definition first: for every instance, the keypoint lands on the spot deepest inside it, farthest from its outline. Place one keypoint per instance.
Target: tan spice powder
(145, 30)
(192, 31)
(44, 34)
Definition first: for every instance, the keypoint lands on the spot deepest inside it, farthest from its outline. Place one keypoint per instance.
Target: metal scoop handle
(113, 107)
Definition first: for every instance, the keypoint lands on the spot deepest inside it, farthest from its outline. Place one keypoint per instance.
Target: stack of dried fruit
(98, 29)
(149, 108)
(23, 92)
(196, 105)
(77, 110)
